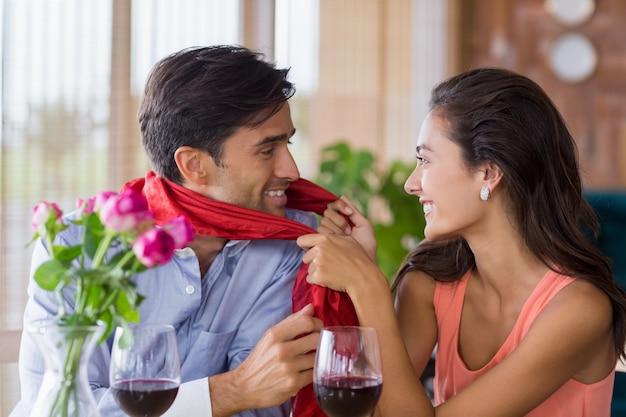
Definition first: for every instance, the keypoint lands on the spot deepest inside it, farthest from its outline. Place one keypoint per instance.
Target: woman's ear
(491, 175)
(193, 164)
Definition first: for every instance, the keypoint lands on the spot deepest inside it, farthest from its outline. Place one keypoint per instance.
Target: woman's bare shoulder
(416, 284)
(580, 321)
(415, 313)
(586, 299)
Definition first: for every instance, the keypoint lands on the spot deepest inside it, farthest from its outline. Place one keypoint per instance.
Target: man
(216, 125)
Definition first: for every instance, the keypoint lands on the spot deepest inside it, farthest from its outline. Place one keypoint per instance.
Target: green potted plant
(379, 193)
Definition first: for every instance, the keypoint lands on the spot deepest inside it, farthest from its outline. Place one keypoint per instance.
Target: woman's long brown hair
(498, 116)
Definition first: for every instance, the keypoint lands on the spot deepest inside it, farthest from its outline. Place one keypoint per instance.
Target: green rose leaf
(125, 307)
(50, 274)
(94, 231)
(65, 253)
(107, 317)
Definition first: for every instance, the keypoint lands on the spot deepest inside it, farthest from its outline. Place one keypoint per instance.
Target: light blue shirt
(218, 319)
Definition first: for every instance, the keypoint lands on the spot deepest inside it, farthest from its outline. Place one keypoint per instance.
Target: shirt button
(190, 289)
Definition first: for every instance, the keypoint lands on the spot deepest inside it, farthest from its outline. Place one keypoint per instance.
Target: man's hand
(276, 369)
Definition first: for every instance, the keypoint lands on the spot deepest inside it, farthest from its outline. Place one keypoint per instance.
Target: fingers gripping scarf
(216, 218)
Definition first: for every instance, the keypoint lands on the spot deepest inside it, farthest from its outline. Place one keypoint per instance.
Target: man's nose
(286, 166)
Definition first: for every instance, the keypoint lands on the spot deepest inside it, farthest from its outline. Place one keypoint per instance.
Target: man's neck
(206, 249)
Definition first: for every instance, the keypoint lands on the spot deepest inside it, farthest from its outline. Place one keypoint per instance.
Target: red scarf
(215, 218)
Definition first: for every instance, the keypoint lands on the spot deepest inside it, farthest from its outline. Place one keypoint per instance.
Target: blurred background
(73, 71)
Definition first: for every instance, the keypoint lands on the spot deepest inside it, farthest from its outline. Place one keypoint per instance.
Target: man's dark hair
(200, 96)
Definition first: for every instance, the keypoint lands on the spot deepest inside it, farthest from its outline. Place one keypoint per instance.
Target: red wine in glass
(145, 398)
(348, 396)
(347, 375)
(145, 369)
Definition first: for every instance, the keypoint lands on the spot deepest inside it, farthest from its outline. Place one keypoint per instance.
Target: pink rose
(43, 213)
(154, 247)
(180, 230)
(94, 203)
(126, 212)
(101, 198)
(86, 206)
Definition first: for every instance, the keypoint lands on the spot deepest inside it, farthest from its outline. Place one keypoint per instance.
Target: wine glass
(145, 369)
(347, 375)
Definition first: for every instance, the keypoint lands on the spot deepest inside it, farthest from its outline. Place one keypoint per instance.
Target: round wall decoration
(573, 57)
(570, 12)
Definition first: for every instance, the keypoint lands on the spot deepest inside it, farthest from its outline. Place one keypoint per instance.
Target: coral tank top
(573, 399)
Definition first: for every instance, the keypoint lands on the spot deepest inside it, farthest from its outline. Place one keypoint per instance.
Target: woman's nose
(413, 183)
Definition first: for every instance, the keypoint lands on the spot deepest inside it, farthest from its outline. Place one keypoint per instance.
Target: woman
(522, 307)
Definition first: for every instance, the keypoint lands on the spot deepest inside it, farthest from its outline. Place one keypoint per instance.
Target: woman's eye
(421, 160)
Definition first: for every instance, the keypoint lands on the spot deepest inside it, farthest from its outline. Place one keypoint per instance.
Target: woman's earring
(485, 193)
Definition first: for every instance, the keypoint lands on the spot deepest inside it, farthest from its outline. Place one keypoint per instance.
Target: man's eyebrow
(278, 138)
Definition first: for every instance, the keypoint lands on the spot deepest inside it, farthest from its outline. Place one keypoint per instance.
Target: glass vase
(65, 389)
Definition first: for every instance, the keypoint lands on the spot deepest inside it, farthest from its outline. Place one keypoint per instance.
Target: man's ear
(194, 164)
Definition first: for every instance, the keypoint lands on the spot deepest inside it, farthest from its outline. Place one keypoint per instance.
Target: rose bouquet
(93, 280)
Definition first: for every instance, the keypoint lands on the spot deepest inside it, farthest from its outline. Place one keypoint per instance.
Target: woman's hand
(337, 262)
(335, 222)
